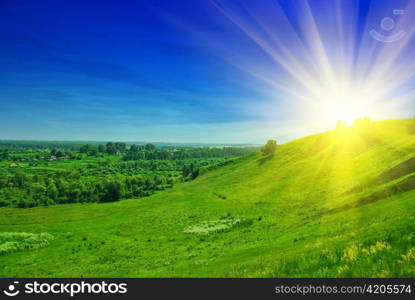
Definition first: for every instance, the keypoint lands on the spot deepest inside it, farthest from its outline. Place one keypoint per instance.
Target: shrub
(15, 241)
(212, 226)
(269, 147)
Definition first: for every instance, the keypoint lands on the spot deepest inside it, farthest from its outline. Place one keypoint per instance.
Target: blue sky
(174, 71)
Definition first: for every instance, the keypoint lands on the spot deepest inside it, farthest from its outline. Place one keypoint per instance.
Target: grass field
(336, 204)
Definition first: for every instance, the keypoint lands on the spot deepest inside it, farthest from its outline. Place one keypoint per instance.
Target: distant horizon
(128, 142)
(131, 142)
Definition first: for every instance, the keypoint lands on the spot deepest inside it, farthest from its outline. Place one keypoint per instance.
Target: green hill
(336, 204)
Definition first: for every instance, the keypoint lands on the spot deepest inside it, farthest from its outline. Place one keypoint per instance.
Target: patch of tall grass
(15, 241)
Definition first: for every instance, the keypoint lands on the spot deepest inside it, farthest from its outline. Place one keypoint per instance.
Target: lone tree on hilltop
(269, 147)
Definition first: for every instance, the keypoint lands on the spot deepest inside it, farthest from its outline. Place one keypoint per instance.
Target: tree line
(100, 173)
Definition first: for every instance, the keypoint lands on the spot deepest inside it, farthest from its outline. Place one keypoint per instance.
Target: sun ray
(332, 74)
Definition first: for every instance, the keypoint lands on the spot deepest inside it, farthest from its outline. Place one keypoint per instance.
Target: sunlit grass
(316, 208)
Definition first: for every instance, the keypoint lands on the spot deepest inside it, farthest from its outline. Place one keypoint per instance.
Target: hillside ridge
(335, 204)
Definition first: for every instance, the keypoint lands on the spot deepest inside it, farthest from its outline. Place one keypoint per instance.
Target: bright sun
(347, 113)
(344, 104)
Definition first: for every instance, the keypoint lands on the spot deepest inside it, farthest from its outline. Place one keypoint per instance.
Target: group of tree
(111, 171)
(190, 172)
(39, 145)
(180, 153)
(22, 190)
(100, 180)
(109, 148)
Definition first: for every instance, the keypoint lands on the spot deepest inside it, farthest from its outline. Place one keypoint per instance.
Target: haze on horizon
(201, 72)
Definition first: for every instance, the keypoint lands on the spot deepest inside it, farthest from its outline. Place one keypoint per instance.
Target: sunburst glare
(328, 65)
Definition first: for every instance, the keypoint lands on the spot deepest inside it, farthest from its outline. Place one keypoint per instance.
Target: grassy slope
(324, 205)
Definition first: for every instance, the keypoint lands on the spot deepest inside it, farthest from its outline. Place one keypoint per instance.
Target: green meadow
(335, 204)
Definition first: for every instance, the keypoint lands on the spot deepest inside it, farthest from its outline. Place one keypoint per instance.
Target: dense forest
(47, 174)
